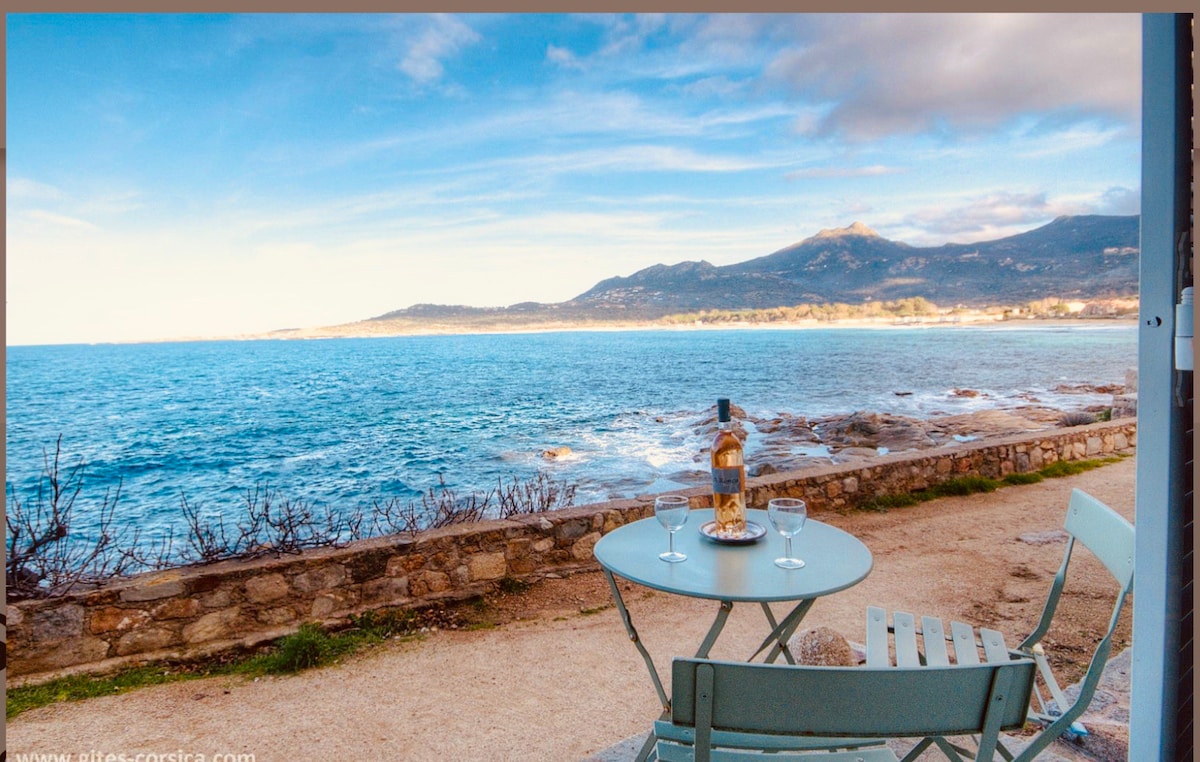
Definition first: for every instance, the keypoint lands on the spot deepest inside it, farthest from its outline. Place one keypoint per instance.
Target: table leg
(715, 630)
(782, 631)
(787, 654)
(629, 628)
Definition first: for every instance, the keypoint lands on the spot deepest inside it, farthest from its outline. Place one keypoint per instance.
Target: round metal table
(834, 560)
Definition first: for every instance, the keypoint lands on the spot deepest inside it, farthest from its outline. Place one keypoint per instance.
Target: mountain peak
(856, 228)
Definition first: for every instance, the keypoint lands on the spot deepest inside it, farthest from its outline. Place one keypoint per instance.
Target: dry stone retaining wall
(195, 611)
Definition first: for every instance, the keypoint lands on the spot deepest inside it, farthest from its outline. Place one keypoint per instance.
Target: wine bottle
(728, 477)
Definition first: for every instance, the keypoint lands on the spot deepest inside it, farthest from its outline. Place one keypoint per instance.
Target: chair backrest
(1104, 532)
(1111, 539)
(855, 702)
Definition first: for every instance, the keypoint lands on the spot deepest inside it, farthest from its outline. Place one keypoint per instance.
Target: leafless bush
(536, 495)
(271, 524)
(43, 558)
(439, 507)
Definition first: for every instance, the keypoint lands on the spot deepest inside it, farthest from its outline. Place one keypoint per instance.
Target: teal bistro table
(833, 560)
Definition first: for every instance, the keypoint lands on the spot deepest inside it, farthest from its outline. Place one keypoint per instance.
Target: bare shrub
(536, 495)
(44, 558)
(270, 524)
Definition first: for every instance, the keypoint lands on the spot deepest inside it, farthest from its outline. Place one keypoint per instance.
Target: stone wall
(195, 611)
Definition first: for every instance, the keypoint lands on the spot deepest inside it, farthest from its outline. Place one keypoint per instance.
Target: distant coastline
(385, 329)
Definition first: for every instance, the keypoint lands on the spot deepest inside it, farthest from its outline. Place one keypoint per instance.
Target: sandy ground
(558, 679)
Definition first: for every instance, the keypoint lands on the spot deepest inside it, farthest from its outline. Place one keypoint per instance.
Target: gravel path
(560, 681)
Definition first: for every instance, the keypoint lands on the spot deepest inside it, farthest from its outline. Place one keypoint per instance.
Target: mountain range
(1071, 258)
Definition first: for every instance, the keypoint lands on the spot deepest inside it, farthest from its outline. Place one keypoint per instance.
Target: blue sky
(183, 176)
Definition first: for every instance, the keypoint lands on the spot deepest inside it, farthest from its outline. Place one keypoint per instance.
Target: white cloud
(25, 189)
(562, 57)
(888, 74)
(441, 39)
(58, 220)
(875, 170)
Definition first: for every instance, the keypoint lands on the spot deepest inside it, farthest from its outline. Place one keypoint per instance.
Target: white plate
(754, 533)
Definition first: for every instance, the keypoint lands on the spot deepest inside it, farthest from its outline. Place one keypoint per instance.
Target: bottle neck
(724, 425)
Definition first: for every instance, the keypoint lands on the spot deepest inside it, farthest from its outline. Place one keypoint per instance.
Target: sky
(182, 176)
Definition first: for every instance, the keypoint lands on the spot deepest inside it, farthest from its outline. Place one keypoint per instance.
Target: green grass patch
(1029, 477)
(305, 649)
(78, 687)
(596, 610)
(970, 485)
(1072, 467)
(513, 586)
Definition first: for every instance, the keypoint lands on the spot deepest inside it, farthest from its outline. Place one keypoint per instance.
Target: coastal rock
(557, 452)
(822, 647)
(874, 430)
(984, 423)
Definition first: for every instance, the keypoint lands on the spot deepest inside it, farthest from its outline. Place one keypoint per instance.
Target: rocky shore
(787, 442)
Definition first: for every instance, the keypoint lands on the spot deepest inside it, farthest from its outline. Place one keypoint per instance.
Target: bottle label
(727, 481)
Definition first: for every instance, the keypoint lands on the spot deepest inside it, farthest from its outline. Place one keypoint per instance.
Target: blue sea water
(344, 422)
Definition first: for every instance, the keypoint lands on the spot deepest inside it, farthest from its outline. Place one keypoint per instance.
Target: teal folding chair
(736, 711)
(925, 642)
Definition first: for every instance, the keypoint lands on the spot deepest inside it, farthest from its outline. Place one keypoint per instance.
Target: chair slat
(877, 638)
(906, 640)
(964, 643)
(934, 636)
(994, 649)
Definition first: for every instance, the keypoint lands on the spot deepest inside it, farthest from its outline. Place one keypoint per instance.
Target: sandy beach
(556, 678)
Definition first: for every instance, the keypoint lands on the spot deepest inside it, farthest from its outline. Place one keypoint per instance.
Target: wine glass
(672, 512)
(788, 514)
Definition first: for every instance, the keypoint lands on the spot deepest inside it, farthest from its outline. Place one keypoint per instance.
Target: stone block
(385, 590)
(833, 488)
(1036, 459)
(1120, 441)
(1094, 446)
(400, 566)
(217, 624)
(114, 619)
(63, 621)
(165, 585)
(145, 639)
(423, 583)
(944, 466)
(582, 549)
(320, 578)
(460, 576)
(13, 616)
(62, 654)
(850, 485)
(177, 608)
(572, 529)
(331, 601)
(217, 599)
(266, 588)
(543, 545)
(612, 520)
(485, 566)
(276, 616)
(518, 548)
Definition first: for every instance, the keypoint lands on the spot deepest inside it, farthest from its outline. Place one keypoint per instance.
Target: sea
(342, 423)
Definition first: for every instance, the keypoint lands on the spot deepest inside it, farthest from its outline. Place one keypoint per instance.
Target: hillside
(1071, 258)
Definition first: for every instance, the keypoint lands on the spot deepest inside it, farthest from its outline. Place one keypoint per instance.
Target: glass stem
(671, 541)
(787, 546)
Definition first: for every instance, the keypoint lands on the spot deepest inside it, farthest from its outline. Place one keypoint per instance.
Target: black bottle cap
(723, 410)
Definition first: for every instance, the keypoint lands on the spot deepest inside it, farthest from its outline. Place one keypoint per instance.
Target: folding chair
(736, 711)
(1111, 539)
